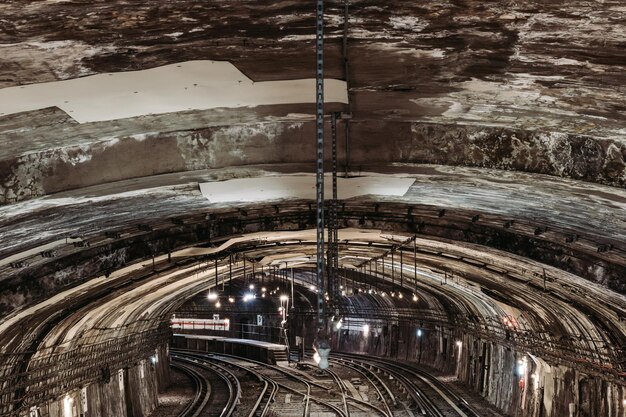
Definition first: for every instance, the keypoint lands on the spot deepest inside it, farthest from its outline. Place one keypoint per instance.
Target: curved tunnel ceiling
(506, 121)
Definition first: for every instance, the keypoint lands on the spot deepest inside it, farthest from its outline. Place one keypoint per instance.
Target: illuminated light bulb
(419, 332)
(218, 304)
(400, 295)
(280, 309)
(366, 329)
(459, 343)
(414, 297)
(341, 287)
(338, 325)
(343, 292)
(231, 299)
(212, 296)
(263, 295)
(312, 288)
(284, 297)
(263, 289)
(251, 286)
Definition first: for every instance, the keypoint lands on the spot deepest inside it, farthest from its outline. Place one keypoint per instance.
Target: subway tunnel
(157, 191)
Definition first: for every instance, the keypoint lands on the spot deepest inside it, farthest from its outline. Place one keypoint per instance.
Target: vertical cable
(319, 103)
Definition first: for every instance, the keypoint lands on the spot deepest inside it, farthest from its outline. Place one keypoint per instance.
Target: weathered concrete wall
(518, 384)
(130, 392)
(601, 160)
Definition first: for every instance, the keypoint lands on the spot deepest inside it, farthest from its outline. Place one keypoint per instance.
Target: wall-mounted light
(231, 299)
(419, 332)
(247, 297)
(400, 296)
(366, 329)
(212, 296)
(459, 344)
(218, 304)
(522, 365)
(415, 297)
(284, 297)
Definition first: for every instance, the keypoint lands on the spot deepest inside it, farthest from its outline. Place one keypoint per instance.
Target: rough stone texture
(514, 90)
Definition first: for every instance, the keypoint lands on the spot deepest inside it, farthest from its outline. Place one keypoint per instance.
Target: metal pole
(319, 103)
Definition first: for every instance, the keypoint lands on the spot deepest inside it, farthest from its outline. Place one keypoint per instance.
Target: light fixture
(419, 332)
(414, 297)
(312, 288)
(521, 367)
(247, 297)
(251, 286)
(218, 304)
(231, 299)
(263, 289)
(284, 297)
(400, 295)
(459, 343)
(212, 296)
(366, 329)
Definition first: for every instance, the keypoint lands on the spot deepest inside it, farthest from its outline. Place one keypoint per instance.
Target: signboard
(259, 320)
(201, 324)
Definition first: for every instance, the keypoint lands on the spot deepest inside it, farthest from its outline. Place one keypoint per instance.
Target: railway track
(220, 395)
(202, 389)
(427, 395)
(385, 388)
(295, 394)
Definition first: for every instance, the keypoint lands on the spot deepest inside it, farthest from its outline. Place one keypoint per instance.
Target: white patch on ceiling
(301, 186)
(192, 85)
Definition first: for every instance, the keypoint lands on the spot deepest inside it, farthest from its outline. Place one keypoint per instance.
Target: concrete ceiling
(508, 119)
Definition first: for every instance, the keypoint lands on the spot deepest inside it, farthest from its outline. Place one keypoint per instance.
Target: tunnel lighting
(366, 329)
(393, 294)
(327, 298)
(247, 297)
(67, 406)
(263, 289)
(400, 295)
(154, 359)
(218, 304)
(459, 343)
(280, 309)
(521, 367)
(231, 299)
(339, 324)
(414, 297)
(212, 296)
(284, 297)
(312, 288)
(341, 287)
(343, 292)
(251, 286)
(263, 295)
(419, 333)
(370, 291)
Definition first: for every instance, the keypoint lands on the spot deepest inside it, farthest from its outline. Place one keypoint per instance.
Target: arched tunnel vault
(507, 118)
(120, 277)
